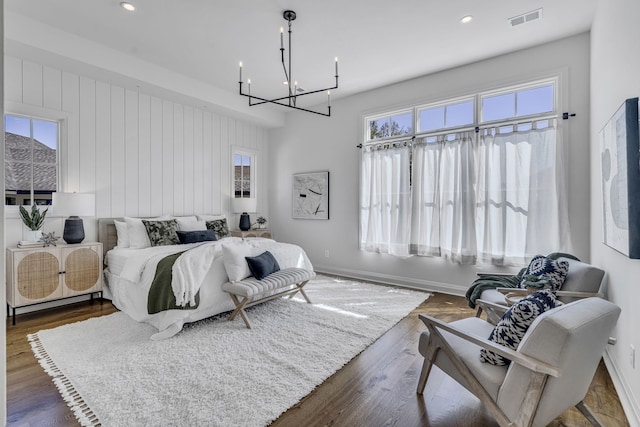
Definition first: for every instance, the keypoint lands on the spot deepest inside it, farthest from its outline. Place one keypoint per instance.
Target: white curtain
(443, 212)
(385, 199)
(521, 198)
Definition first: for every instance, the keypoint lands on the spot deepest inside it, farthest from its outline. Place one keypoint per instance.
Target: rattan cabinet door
(82, 268)
(35, 277)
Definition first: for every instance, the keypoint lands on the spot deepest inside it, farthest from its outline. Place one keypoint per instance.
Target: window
(445, 116)
(244, 174)
(528, 101)
(31, 160)
(395, 124)
(480, 181)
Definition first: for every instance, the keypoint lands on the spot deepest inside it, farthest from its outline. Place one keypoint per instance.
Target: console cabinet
(254, 232)
(37, 275)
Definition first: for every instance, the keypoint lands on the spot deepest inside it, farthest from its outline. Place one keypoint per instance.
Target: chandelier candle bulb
(329, 98)
(336, 66)
(240, 72)
(281, 38)
(249, 85)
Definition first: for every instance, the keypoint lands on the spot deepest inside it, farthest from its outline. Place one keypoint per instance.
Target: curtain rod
(477, 129)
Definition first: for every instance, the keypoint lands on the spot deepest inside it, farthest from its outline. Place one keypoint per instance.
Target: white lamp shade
(244, 204)
(73, 204)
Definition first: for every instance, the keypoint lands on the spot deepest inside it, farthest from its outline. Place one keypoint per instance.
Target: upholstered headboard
(107, 234)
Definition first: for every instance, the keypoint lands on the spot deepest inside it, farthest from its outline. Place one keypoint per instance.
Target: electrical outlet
(632, 356)
(326, 253)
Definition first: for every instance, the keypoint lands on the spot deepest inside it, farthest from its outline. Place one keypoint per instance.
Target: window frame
(253, 155)
(389, 115)
(553, 81)
(445, 103)
(39, 113)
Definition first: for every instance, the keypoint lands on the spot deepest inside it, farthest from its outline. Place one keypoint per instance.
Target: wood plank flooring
(377, 388)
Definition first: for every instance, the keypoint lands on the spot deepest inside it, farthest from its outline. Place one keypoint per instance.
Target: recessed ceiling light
(466, 19)
(127, 6)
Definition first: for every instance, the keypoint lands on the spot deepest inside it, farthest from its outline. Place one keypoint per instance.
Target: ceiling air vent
(526, 17)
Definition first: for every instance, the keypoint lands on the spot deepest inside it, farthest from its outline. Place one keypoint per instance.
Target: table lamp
(73, 205)
(243, 205)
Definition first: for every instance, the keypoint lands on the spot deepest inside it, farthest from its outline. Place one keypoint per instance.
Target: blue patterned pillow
(516, 321)
(543, 268)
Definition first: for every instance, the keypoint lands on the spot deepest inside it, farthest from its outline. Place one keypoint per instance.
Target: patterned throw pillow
(162, 233)
(219, 226)
(555, 271)
(514, 324)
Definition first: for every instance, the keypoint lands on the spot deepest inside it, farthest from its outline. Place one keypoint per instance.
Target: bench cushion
(280, 279)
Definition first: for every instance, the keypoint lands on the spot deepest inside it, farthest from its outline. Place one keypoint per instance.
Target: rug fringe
(83, 413)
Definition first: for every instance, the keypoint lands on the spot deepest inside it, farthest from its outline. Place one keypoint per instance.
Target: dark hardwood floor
(377, 388)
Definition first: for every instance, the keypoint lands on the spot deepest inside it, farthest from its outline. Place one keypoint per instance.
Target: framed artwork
(620, 163)
(311, 195)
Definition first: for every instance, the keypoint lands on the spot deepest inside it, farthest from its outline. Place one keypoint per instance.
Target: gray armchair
(583, 280)
(550, 371)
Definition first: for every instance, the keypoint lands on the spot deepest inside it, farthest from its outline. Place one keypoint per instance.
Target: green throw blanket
(488, 281)
(161, 295)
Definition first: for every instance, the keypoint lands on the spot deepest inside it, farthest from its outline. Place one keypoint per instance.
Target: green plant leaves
(34, 220)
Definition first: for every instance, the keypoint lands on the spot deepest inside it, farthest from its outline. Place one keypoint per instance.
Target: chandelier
(294, 92)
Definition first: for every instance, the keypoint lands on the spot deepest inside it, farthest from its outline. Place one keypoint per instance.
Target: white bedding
(130, 273)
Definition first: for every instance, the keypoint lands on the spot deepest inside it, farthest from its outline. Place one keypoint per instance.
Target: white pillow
(234, 262)
(138, 238)
(191, 225)
(210, 217)
(123, 233)
(185, 218)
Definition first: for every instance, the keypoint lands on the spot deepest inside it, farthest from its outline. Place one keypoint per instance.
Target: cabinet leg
(14, 315)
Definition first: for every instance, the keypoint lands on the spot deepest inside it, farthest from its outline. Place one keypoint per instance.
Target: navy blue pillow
(196, 236)
(262, 265)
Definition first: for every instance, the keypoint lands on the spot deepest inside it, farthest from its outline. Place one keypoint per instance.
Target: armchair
(550, 371)
(583, 280)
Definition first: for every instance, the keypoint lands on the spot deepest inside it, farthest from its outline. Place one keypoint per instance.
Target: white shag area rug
(216, 372)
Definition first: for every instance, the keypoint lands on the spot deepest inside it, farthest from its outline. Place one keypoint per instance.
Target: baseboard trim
(407, 282)
(627, 399)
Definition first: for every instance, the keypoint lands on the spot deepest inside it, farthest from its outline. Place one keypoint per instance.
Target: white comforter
(200, 269)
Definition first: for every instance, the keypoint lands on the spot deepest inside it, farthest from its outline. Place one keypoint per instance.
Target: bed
(130, 273)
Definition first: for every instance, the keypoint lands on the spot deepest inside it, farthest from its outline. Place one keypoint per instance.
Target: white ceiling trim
(126, 70)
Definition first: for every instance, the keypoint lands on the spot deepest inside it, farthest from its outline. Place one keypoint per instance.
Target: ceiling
(377, 42)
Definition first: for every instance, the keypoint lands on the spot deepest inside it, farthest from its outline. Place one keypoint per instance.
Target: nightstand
(37, 275)
(254, 232)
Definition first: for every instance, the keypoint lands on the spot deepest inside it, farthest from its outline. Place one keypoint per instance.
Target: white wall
(140, 154)
(3, 332)
(615, 76)
(311, 143)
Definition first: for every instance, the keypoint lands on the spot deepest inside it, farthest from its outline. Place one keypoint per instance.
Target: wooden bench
(251, 291)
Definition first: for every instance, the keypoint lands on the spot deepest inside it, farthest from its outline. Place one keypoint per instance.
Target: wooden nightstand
(254, 232)
(37, 275)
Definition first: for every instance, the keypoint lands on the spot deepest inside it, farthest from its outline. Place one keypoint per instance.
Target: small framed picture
(311, 195)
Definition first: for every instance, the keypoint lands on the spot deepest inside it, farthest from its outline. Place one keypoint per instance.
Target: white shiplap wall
(141, 155)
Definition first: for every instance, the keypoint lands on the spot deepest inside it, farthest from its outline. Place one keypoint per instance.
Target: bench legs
(246, 302)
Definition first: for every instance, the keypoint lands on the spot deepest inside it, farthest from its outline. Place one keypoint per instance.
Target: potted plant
(261, 221)
(33, 221)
